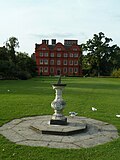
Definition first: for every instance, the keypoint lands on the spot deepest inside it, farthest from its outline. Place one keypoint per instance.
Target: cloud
(51, 35)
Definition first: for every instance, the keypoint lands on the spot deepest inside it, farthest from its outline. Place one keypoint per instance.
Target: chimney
(45, 41)
(53, 42)
(70, 42)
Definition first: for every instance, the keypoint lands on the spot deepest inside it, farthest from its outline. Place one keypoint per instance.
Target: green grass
(33, 97)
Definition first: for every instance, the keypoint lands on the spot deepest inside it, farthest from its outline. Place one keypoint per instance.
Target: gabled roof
(52, 47)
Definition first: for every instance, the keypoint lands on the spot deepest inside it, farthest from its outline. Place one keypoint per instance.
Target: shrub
(24, 75)
(116, 73)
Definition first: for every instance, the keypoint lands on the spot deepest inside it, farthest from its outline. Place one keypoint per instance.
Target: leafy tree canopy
(15, 65)
(101, 57)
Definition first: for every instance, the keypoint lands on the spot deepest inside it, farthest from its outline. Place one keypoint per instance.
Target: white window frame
(59, 49)
(41, 54)
(52, 70)
(65, 69)
(58, 54)
(46, 54)
(65, 55)
(41, 61)
(43, 49)
(71, 62)
(65, 62)
(75, 62)
(51, 54)
(74, 49)
(75, 70)
(75, 54)
(58, 62)
(52, 62)
(41, 69)
(71, 70)
(46, 61)
(71, 55)
(45, 69)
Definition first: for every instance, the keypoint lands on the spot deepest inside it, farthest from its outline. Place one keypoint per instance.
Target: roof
(52, 46)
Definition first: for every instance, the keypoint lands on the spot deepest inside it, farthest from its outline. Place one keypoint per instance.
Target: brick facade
(56, 59)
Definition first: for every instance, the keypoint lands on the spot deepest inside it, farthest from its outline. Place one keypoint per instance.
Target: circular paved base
(20, 132)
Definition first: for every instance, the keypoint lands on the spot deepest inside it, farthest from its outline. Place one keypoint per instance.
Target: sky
(33, 20)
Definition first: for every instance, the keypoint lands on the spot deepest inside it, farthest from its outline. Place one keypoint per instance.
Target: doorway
(58, 72)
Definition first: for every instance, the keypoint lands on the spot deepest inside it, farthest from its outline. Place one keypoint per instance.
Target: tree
(15, 65)
(115, 57)
(4, 53)
(7, 67)
(26, 65)
(11, 44)
(99, 54)
(86, 66)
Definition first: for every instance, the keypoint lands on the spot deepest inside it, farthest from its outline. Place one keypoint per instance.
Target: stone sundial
(58, 124)
(58, 104)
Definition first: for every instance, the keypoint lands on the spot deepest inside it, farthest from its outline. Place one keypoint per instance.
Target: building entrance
(58, 72)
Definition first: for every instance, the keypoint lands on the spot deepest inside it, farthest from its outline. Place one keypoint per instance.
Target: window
(43, 49)
(41, 61)
(46, 54)
(70, 62)
(45, 61)
(71, 70)
(75, 54)
(58, 49)
(65, 70)
(58, 62)
(71, 54)
(46, 69)
(51, 62)
(58, 54)
(76, 70)
(41, 54)
(51, 70)
(41, 69)
(76, 62)
(65, 55)
(74, 49)
(65, 62)
(51, 54)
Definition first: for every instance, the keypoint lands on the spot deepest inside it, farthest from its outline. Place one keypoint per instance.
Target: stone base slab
(71, 128)
(19, 131)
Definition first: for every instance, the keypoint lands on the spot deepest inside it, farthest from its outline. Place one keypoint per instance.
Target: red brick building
(56, 59)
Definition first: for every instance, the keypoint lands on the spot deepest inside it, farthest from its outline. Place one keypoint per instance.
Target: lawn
(33, 97)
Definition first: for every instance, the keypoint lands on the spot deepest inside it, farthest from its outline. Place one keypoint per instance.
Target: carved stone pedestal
(58, 105)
